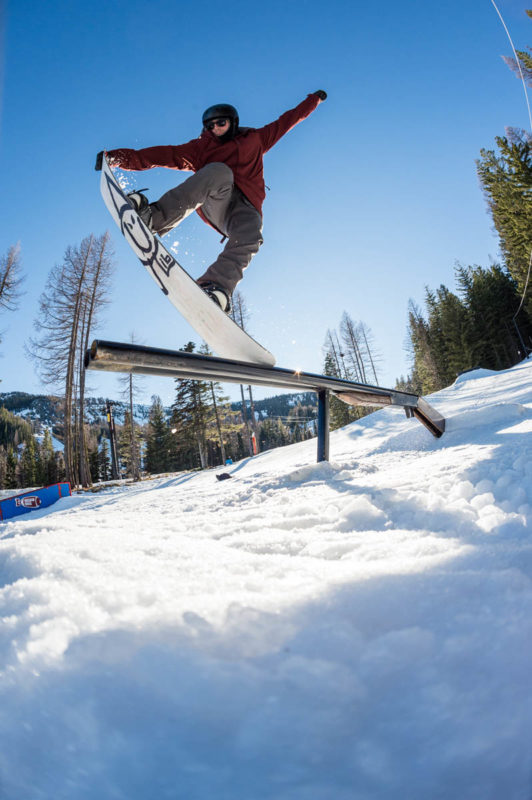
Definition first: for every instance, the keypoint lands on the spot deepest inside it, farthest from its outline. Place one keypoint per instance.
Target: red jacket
(243, 153)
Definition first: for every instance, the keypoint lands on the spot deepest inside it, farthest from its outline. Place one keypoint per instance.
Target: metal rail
(121, 357)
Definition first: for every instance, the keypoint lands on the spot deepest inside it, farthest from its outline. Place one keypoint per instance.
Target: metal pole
(323, 425)
(112, 441)
(526, 350)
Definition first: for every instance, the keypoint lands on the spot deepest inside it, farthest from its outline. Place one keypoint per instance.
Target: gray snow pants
(226, 208)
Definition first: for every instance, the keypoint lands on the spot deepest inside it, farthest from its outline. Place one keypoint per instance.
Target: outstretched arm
(270, 134)
(180, 156)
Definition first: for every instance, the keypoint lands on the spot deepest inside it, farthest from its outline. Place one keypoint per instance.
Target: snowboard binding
(141, 205)
(219, 295)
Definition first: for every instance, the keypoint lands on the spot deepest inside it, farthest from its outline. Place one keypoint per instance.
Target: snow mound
(474, 375)
(488, 416)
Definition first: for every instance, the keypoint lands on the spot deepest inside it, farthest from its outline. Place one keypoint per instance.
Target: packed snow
(352, 630)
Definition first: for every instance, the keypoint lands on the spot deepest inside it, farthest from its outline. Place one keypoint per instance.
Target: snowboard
(220, 332)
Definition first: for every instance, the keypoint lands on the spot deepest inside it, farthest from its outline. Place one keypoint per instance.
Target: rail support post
(323, 425)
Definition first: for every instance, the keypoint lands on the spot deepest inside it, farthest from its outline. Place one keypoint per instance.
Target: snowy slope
(347, 631)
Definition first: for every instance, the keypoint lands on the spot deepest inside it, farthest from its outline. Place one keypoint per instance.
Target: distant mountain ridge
(47, 409)
(280, 405)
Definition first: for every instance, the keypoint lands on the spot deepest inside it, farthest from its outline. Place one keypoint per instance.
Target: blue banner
(29, 501)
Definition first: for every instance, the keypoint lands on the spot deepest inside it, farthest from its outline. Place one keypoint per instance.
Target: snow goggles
(219, 122)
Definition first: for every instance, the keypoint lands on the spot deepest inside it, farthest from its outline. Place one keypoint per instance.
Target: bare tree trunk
(368, 351)
(74, 292)
(344, 372)
(81, 438)
(333, 351)
(349, 334)
(89, 305)
(72, 352)
(74, 467)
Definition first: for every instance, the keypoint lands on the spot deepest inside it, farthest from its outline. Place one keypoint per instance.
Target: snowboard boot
(141, 205)
(219, 295)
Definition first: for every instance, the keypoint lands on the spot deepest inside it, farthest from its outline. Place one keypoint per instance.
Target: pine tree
(273, 434)
(428, 375)
(28, 464)
(3, 467)
(60, 468)
(506, 178)
(94, 464)
(48, 461)
(490, 297)
(189, 419)
(221, 422)
(129, 447)
(11, 481)
(476, 328)
(453, 318)
(40, 477)
(158, 457)
(104, 460)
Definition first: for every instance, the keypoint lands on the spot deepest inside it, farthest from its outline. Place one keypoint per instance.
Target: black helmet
(221, 110)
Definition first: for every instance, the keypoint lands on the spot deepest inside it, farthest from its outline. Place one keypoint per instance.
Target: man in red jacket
(227, 189)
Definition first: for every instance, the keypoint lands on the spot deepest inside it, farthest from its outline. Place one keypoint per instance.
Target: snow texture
(352, 630)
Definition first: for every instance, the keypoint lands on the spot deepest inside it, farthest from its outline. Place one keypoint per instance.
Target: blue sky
(371, 198)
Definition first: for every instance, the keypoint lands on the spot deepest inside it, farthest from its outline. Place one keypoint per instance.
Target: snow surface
(354, 630)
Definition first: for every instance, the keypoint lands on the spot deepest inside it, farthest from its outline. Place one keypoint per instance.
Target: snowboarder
(227, 189)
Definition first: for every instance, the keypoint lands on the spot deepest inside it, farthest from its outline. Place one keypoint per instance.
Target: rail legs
(323, 425)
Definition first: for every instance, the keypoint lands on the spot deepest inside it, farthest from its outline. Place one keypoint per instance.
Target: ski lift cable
(289, 419)
(518, 62)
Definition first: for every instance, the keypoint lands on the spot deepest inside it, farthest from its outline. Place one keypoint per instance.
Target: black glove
(99, 159)
(321, 94)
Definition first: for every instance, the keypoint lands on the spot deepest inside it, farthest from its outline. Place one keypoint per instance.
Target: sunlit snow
(352, 630)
